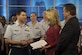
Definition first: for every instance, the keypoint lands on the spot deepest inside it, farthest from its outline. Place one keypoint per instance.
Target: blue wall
(3, 8)
(37, 6)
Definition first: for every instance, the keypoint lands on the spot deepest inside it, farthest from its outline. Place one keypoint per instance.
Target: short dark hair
(33, 13)
(13, 15)
(19, 12)
(71, 8)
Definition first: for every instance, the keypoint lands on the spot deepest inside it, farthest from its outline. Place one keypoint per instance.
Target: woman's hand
(45, 47)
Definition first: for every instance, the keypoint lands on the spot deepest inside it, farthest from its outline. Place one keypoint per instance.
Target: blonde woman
(44, 21)
(53, 31)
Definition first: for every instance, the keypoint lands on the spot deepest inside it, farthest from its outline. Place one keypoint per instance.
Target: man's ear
(69, 12)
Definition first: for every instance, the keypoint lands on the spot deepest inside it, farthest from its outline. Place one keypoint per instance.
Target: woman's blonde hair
(53, 16)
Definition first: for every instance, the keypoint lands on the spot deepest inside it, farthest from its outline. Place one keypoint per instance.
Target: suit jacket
(68, 39)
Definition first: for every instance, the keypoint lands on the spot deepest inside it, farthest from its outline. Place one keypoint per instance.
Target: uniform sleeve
(29, 23)
(42, 31)
(8, 33)
(31, 34)
(2, 30)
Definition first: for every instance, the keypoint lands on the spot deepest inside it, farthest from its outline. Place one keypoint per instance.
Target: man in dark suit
(69, 36)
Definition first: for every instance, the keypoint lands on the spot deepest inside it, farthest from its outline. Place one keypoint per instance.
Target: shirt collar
(69, 18)
(17, 24)
(73, 16)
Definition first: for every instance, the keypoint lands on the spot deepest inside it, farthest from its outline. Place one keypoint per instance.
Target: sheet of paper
(38, 44)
